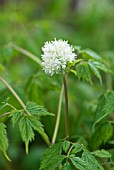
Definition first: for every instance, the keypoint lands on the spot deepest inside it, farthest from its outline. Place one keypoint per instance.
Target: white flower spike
(56, 55)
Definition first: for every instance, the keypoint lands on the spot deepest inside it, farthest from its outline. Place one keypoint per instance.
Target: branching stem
(13, 92)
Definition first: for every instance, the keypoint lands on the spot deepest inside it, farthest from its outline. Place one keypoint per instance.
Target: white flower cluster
(56, 55)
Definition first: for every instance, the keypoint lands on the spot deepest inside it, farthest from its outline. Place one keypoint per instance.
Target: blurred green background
(28, 24)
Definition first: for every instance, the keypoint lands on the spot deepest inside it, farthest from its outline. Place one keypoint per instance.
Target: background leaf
(3, 140)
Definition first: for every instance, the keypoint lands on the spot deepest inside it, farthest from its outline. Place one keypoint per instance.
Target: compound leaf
(37, 110)
(52, 157)
(27, 124)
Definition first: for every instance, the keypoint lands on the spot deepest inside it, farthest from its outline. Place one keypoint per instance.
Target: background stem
(27, 53)
(58, 116)
(13, 92)
(66, 106)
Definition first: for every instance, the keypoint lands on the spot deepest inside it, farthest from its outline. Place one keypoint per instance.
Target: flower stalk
(58, 116)
(66, 106)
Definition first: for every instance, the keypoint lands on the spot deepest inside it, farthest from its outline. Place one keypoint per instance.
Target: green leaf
(95, 70)
(102, 135)
(83, 72)
(67, 166)
(100, 66)
(27, 124)
(77, 148)
(15, 116)
(52, 157)
(101, 153)
(37, 110)
(73, 71)
(93, 164)
(79, 163)
(66, 145)
(105, 107)
(89, 54)
(3, 140)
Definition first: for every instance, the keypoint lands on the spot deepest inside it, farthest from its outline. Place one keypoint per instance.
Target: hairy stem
(66, 106)
(27, 53)
(58, 116)
(13, 92)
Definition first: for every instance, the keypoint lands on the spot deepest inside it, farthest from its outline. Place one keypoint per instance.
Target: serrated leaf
(77, 148)
(95, 70)
(37, 110)
(52, 157)
(15, 116)
(105, 107)
(79, 163)
(101, 153)
(83, 72)
(26, 131)
(93, 164)
(100, 66)
(66, 145)
(66, 166)
(102, 135)
(3, 140)
(27, 124)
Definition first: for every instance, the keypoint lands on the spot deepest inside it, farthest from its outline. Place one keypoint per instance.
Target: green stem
(66, 106)
(58, 116)
(27, 53)
(13, 92)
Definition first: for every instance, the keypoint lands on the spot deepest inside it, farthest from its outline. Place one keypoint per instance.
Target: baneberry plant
(62, 59)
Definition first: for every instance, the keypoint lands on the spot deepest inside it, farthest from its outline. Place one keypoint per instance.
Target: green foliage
(67, 166)
(83, 71)
(3, 140)
(105, 106)
(27, 124)
(76, 148)
(37, 110)
(80, 163)
(52, 157)
(66, 146)
(15, 116)
(102, 134)
(95, 70)
(102, 153)
(29, 121)
(90, 159)
(31, 23)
